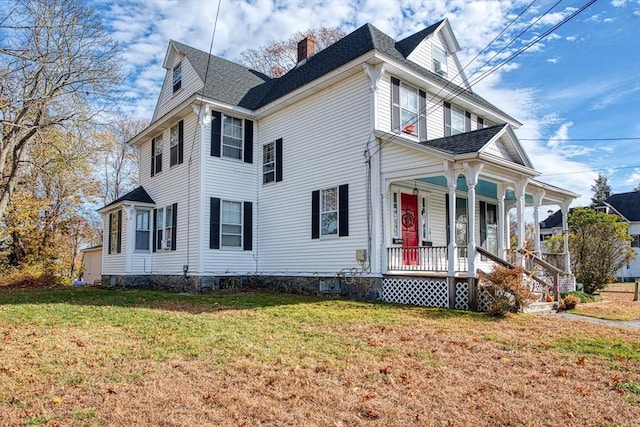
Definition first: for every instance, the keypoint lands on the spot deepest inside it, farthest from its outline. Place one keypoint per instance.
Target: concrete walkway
(633, 324)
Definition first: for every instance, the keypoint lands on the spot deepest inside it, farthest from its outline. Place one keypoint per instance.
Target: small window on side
(177, 77)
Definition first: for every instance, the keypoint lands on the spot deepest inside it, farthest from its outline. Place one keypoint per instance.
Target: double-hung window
(115, 232)
(177, 77)
(231, 224)
(409, 109)
(232, 137)
(176, 143)
(164, 227)
(272, 161)
(156, 155)
(457, 120)
(330, 212)
(142, 230)
(439, 61)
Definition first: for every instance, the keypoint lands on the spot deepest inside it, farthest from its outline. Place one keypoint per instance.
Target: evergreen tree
(601, 190)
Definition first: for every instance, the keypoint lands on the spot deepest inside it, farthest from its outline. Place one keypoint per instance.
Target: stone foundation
(358, 288)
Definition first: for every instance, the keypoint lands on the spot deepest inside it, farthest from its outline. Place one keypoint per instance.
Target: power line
(591, 170)
(630, 138)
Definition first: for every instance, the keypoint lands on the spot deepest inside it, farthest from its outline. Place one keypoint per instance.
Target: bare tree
(117, 162)
(57, 65)
(279, 56)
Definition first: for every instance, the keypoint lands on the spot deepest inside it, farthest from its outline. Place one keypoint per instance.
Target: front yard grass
(102, 358)
(615, 302)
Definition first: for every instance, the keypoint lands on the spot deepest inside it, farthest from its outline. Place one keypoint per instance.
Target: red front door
(409, 220)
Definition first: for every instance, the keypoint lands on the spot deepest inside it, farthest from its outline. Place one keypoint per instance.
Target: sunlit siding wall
(324, 137)
(190, 83)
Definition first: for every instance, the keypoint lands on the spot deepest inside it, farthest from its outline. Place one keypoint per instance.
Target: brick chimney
(306, 48)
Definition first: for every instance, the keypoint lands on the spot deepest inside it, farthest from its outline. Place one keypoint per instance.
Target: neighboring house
(625, 205)
(371, 169)
(92, 264)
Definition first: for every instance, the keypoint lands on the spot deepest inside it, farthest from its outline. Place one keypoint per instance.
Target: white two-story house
(371, 169)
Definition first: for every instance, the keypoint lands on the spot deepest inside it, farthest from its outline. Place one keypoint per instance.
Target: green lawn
(88, 356)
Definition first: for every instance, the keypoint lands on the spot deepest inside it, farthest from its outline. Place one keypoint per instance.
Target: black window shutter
(180, 141)
(278, 159)
(155, 228)
(447, 119)
(247, 222)
(216, 129)
(174, 228)
(214, 224)
(422, 114)
(343, 210)
(395, 104)
(248, 141)
(315, 214)
(119, 243)
(110, 231)
(153, 158)
(467, 121)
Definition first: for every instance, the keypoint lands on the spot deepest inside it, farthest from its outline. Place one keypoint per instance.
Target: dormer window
(439, 61)
(177, 77)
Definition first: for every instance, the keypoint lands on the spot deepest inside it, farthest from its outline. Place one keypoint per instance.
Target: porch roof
(138, 195)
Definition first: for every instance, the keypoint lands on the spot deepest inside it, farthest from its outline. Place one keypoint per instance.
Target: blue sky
(577, 92)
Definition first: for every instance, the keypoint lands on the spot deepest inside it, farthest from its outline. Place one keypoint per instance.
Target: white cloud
(571, 38)
(553, 60)
(618, 3)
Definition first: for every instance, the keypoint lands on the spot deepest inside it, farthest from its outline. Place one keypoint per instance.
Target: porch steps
(541, 308)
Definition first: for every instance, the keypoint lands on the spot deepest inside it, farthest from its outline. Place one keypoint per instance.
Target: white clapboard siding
(178, 184)
(423, 56)
(324, 137)
(113, 263)
(397, 158)
(232, 180)
(167, 100)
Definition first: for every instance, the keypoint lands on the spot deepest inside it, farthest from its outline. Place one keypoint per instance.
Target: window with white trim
(164, 227)
(142, 229)
(409, 109)
(439, 60)
(396, 232)
(177, 77)
(232, 137)
(457, 120)
(114, 232)
(231, 224)
(269, 162)
(176, 143)
(329, 211)
(157, 154)
(168, 226)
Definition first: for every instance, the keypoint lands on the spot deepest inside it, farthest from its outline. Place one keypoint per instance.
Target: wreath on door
(408, 219)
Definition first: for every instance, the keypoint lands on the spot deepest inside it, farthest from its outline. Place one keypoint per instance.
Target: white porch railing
(432, 259)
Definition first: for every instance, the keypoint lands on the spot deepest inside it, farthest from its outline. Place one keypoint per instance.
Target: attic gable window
(177, 77)
(439, 61)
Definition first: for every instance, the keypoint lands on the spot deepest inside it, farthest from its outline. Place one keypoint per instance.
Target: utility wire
(630, 138)
(590, 170)
(193, 141)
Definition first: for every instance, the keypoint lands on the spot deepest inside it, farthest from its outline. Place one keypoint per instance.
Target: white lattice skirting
(425, 292)
(462, 296)
(567, 283)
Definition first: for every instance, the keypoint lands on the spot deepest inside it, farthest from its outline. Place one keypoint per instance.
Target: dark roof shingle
(627, 204)
(463, 143)
(136, 195)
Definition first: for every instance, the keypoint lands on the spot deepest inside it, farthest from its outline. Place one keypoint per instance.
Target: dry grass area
(108, 358)
(615, 302)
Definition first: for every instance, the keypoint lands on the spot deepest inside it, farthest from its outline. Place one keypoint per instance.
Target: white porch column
(452, 179)
(472, 172)
(520, 205)
(502, 189)
(129, 214)
(565, 234)
(537, 201)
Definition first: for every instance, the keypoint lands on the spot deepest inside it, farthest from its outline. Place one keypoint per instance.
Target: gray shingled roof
(552, 221)
(463, 143)
(238, 85)
(627, 204)
(137, 195)
(407, 45)
(227, 81)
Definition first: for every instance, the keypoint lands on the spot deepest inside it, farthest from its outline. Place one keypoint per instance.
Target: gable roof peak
(408, 44)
